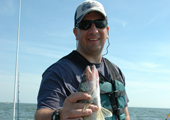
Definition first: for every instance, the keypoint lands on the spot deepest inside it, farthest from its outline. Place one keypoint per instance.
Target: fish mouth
(89, 80)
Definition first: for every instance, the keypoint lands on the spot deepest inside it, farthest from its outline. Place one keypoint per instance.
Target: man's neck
(92, 58)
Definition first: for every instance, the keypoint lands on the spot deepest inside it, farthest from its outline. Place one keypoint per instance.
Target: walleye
(90, 85)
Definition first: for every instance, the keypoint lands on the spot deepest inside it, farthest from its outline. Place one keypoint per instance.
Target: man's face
(91, 41)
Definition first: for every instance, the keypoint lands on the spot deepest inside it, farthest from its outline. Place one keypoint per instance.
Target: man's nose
(93, 29)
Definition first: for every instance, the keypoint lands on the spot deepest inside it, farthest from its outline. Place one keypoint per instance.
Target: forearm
(43, 114)
(127, 117)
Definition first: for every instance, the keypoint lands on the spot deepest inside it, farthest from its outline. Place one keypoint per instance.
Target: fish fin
(100, 115)
(86, 106)
(106, 112)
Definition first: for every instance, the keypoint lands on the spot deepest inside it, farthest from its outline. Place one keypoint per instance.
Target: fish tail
(106, 112)
(100, 115)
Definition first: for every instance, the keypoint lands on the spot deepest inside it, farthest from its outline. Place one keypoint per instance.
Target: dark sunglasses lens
(86, 24)
(100, 24)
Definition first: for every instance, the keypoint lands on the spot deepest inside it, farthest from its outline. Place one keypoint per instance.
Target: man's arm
(43, 114)
(71, 109)
(127, 117)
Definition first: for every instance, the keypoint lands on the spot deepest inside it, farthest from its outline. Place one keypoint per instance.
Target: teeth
(93, 39)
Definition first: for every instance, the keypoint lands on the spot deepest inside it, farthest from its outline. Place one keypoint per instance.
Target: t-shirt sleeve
(58, 82)
(52, 93)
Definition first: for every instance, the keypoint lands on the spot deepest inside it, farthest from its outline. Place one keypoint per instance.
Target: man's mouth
(94, 39)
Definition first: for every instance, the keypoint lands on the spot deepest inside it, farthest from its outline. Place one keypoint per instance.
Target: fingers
(78, 96)
(74, 113)
(73, 110)
(77, 110)
(81, 106)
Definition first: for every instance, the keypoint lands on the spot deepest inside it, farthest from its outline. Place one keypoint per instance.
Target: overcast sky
(139, 36)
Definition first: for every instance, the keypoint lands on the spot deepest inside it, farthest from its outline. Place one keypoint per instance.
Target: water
(148, 113)
(27, 112)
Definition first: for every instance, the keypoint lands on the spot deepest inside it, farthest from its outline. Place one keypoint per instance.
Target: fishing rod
(167, 116)
(18, 99)
(16, 66)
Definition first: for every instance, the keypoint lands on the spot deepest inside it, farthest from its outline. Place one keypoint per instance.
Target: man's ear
(75, 33)
(107, 32)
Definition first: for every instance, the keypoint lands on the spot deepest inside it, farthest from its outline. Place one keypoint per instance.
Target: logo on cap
(89, 5)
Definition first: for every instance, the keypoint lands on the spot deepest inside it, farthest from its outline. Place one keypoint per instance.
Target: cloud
(152, 20)
(60, 33)
(164, 49)
(7, 7)
(28, 86)
(121, 22)
(25, 78)
(143, 86)
(6, 76)
(142, 66)
(142, 94)
(149, 65)
(45, 50)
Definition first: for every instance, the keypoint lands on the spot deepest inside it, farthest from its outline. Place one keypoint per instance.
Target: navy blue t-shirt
(62, 79)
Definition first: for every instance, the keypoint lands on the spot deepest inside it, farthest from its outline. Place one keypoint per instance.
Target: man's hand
(72, 110)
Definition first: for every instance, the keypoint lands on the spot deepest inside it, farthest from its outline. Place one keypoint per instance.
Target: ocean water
(27, 112)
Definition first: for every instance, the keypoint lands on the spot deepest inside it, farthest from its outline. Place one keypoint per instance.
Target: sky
(139, 38)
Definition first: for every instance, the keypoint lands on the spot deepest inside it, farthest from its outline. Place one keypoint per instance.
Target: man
(57, 95)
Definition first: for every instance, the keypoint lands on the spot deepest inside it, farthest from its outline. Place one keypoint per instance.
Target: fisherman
(58, 96)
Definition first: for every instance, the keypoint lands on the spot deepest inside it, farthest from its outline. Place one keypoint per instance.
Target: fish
(90, 84)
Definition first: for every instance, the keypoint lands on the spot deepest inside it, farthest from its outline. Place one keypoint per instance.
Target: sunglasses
(86, 24)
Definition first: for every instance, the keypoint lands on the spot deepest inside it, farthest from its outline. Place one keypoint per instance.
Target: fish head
(90, 80)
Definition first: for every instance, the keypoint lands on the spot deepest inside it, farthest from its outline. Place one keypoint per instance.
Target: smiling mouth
(93, 39)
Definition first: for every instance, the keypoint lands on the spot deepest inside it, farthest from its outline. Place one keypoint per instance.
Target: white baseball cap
(86, 7)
